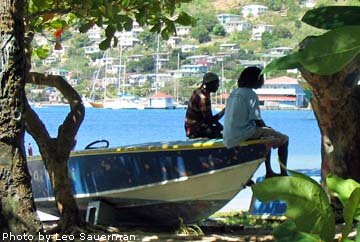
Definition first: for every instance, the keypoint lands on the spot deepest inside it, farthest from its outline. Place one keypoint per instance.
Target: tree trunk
(336, 103)
(55, 151)
(17, 208)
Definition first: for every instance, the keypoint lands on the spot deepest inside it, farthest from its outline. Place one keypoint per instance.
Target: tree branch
(67, 131)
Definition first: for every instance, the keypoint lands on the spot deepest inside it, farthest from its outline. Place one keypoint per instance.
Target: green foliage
(326, 54)
(303, 196)
(245, 219)
(288, 231)
(42, 51)
(267, 40)
(332, 17)
(330, 52)
(219, 30)
(116, 15)
(201, 33)
(145, 64)
(307, 203)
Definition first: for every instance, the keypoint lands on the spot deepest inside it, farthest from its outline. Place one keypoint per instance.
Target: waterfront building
(161, 100)
(282, 92)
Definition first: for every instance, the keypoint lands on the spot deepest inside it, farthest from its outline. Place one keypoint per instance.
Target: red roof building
(282, 92)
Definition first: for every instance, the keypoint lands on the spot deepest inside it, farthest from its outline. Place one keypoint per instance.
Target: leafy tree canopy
(112, 15)
(328, 53)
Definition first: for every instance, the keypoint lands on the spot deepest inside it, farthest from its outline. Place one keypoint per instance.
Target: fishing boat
(158, 183)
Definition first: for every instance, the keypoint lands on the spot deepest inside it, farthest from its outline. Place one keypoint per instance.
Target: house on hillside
(259, 29)
(183, 31)
(194, 68)
(174, 41)
(199, 59)
(161, 100)
(177, 74)
(226, 17)
(188, 48)
(282, 92)
(232, 26)
(253, 10)
(229, 47)
(92, 49)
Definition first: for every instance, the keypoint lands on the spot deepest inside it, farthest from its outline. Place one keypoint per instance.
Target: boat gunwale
(157, 146)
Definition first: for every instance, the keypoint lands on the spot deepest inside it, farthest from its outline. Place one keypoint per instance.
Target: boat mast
(105, 74)
(119, 71)
(177, 81)
(157, 63)
(95, 78)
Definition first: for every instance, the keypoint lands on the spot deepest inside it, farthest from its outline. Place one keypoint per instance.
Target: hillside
(227, 5)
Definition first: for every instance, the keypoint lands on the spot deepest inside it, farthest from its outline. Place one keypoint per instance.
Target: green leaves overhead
(332, 51)
(42, 52)
(332, 17)
(307, 203)
(326, 55)
(159, 15)
(184, 19)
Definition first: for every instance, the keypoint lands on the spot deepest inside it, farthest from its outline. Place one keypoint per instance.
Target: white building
(227, 17)
(259, 29)
(232, 26)
(174, 41)
(194, 68)
(229, 47)
(161, 100)
(188, 48)
(253, 10)
(281, 92)
(177, 74)
(308, 3)
(92, 49)
(183, 31)
(51, 59)
(127, 38)
(94, 34)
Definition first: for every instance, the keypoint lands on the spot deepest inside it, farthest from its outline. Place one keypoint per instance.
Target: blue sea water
(126, 127)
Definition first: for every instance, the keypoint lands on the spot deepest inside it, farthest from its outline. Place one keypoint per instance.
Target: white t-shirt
(242, 108)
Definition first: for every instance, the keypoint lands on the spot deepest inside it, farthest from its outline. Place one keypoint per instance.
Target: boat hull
(156, 183)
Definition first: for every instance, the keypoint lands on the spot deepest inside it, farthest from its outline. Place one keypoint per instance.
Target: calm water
(126, 127)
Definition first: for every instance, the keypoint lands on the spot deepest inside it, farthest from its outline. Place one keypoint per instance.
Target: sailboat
(123, 100)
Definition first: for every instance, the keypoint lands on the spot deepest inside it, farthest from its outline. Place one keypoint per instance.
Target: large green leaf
(341, 188)
(287, 232)
(290, 61)
(307, 203)
(184, 19)
(330, 52)
(325, 55)
(350, 211)
(331, 17)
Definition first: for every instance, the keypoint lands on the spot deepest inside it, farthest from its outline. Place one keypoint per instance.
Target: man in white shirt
(243, 119)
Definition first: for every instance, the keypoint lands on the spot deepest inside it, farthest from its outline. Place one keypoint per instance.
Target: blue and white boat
(159, 183)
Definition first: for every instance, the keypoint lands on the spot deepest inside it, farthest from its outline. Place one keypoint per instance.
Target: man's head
(251, 78)
(211, 81)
